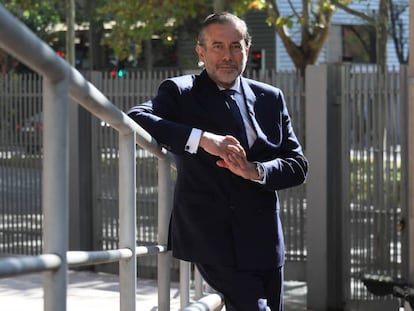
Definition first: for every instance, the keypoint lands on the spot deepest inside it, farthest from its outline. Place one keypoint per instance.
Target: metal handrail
(60, 81)
(207, 303)
(27, 264)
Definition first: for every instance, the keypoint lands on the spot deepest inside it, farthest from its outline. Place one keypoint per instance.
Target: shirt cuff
(193, 141)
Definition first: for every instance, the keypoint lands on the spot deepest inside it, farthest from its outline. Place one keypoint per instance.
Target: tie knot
(229, 92)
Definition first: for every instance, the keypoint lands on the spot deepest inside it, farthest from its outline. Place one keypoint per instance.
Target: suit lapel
(212, 102)
(250, 99)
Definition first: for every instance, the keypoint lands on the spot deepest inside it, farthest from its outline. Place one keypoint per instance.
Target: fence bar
(185, 276)
(55, 189)
(164, 211)
(27, 264)
(127, 220)
(198, 284)
(83, 258)
(211, 302)
(410, 129)
(149, 250)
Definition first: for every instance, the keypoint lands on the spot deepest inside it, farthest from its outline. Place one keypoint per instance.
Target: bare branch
(359, 14)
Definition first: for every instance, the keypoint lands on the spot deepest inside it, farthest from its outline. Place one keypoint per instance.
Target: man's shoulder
(184, 82)
(190, 83)
(260, 87)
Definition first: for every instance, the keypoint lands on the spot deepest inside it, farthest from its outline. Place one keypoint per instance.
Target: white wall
(332, 52)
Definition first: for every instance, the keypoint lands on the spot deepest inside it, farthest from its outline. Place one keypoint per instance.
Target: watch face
(259, 170)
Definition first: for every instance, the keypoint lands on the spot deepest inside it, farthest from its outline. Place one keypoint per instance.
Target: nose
(227, 53)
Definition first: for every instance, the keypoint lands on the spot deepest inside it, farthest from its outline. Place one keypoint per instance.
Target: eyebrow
(231, 43)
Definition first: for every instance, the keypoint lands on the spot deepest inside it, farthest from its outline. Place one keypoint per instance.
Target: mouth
(227, 67)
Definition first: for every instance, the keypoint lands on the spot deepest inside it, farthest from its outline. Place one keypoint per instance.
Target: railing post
(184, 284)
(55, 189)
(325, 199)
(164, 211)
(198, 284)
(410, 129)
(127, 220)
(316, 149)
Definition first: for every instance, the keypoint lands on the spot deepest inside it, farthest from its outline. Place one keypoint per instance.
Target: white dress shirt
(194, 139)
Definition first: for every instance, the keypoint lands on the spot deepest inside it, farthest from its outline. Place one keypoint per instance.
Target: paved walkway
(89, 291)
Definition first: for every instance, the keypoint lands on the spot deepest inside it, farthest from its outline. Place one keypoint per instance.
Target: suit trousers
(242, 289)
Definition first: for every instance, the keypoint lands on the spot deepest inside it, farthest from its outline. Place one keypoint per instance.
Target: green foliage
(39, 16)
(241, 6)
(134, 22)
(284, 21)
(313, 19)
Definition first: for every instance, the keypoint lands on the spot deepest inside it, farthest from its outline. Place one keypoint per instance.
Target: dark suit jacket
(218, 217)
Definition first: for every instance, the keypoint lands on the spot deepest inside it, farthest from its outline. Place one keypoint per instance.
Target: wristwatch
(259, 170)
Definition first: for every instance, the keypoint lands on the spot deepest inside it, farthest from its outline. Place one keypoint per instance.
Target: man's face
(223, 52)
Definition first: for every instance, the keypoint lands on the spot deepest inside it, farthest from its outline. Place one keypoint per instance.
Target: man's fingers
(232, 139)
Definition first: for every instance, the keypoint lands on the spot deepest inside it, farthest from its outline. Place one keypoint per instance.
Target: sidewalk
(89, 291)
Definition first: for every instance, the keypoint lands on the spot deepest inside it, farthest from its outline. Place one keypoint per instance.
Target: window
(359, 44)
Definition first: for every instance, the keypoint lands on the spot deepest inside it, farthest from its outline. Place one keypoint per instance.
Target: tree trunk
(148, 55)
(221, 5)
(382, 34)
(70, 32)
(95, 57)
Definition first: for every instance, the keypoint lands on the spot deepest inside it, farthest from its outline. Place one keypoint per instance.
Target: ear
(200, 52)
(248, 51)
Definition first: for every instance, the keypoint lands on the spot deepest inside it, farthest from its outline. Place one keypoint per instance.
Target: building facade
(350, 38)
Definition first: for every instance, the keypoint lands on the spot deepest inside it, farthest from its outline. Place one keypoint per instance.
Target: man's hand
(232, 154)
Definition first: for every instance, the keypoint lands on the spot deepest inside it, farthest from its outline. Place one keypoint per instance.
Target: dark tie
(235, 111)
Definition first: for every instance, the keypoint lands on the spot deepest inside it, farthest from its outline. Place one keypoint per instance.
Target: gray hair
(224, 18)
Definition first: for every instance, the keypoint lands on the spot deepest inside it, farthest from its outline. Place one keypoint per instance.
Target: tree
(38, 16)
(398, 30)
(134, 23)
(70, 31)
(221, 5)
(313, 19)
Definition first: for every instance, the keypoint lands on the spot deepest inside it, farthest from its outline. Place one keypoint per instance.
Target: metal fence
(374, 235)
(133, 88)
(60, 81)
(137, 87)
(375, 217)
(21, 133)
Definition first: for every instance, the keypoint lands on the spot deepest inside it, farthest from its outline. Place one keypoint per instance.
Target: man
(230, 163)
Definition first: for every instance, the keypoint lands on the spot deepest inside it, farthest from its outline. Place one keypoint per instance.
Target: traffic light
(61, 54)
(121, 70)
(257, 60)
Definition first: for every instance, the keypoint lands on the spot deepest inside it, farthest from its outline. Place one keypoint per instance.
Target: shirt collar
(235, 87)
